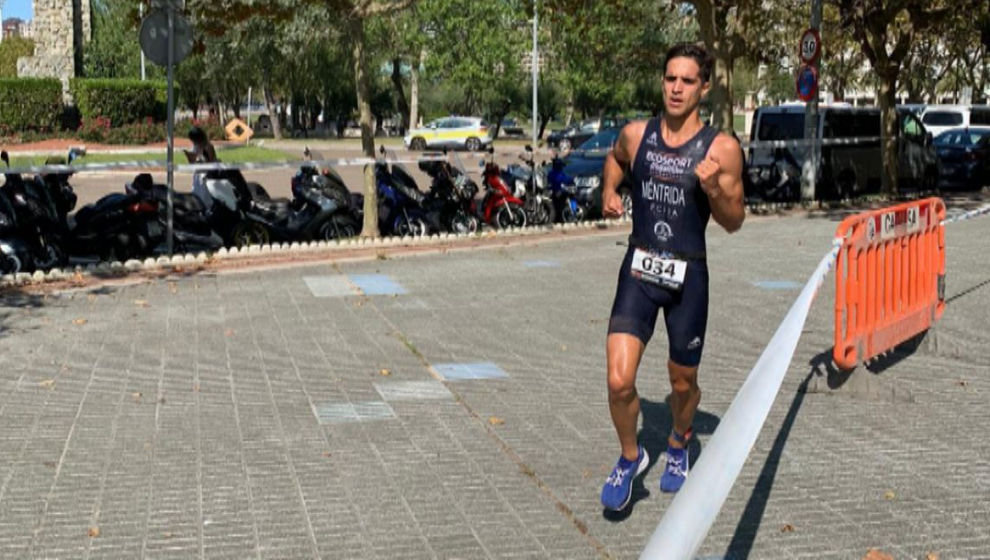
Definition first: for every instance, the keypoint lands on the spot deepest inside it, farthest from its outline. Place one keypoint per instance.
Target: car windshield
(942, 118)
(601, 141)
(961, 137)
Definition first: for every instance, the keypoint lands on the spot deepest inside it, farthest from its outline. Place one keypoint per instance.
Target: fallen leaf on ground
(196, 387)
(327, 454)
(889, 495)
(931, 556)
(91, 298)
(141, 303)
(173, 287)
(161, 400)
(50, 464)
(381, 256)
(787, 528)
(874, 554)
(168, 534)
(228, 332)
(79, 321)
(94, 532)
(495, 421)
(963, 382)
(136, 396)
(384, 371)
(48, 383)
(563, 347)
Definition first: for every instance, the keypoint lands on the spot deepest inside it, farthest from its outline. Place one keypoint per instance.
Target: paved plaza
(453, 405)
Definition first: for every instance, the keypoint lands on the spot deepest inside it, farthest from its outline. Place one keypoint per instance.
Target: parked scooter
(563, 191)
(448, 202)
(400, 202)
(499, 207)
(38, 207)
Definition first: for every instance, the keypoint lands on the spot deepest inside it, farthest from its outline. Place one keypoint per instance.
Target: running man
(681, 172)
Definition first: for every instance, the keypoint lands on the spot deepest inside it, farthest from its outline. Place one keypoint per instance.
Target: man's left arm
(721, 179)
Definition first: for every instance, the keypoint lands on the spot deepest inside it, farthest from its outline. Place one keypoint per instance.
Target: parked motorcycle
(499, 207)
(400, 202)
(563, 191)
(448, 202)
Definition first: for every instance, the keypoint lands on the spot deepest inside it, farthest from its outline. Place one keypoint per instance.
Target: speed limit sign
(811, 45)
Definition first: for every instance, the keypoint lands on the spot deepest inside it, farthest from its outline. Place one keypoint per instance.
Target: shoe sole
(643, 463)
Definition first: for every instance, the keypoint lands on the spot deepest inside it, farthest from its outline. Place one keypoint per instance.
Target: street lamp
(536, 73)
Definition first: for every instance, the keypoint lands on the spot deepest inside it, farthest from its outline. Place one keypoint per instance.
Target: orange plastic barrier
(889, 278)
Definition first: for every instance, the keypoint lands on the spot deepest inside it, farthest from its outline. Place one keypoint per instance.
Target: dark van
(845, 170)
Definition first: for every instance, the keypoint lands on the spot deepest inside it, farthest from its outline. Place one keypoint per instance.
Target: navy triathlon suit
(665, 265)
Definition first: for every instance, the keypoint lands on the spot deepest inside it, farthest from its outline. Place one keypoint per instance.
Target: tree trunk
(888, 117)
(721, 92)
(363, 86)
(272, 115)
(400, 94)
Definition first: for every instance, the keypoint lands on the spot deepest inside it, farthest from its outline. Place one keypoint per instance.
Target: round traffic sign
(807, 83)
(154, 37)
(811, 45)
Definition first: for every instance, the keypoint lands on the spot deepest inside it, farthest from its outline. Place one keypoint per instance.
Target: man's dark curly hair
(693, 51)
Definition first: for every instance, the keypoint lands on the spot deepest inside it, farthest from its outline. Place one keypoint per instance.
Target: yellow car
(470, 133)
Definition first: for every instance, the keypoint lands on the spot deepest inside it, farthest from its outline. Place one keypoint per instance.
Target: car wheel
(248, 233)
(472, 144)
(418, 144)
(564, 145)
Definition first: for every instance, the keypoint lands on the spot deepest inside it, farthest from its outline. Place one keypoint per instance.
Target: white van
(939, 118)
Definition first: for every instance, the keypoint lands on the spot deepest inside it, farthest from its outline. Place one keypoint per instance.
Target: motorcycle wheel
(332, 229)
(463, 223)
(414, 227)
(250, 233)
(545, 213)
(627, 204)
(51, 257)
(10, 264)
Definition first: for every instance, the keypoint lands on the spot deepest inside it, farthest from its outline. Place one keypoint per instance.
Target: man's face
(683, 88)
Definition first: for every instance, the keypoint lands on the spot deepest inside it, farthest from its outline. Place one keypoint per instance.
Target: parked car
(577, 134)
(512, 127)
(470, 133)
(845, 170)
(939, 118)
(964, 157)
(586, 165)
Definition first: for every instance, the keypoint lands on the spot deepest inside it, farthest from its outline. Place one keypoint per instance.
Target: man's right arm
(616, 163)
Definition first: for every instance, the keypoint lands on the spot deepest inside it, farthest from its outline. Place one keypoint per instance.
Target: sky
(16, 8)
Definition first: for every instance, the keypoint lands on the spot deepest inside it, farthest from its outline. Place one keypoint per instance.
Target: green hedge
(30, 104)
(120, 101)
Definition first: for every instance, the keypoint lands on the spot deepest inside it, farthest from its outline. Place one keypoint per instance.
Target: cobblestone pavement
(453, 406)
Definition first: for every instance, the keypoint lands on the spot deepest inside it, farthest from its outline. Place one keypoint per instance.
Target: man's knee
(683, 379)
(621, 383)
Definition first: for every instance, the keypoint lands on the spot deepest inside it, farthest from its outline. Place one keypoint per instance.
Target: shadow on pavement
(14, 302)
(653, 437)
(742, 540)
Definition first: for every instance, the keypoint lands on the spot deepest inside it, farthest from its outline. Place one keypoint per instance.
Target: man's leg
(623, 354)
(684, 398)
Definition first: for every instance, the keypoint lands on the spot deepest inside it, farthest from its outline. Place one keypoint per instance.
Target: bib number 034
(655, 269)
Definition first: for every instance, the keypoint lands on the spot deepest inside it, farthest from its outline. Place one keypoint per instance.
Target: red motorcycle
(498, 208)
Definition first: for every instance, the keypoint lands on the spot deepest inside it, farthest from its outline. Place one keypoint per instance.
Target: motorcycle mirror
(529, 148)
(381, 149)
(5, 157)
(491, 150)
(308, 154)
(445, 150)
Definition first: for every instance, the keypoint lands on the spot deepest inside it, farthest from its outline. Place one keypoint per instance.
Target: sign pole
(809, 168)
(536, 74)
(171, 124)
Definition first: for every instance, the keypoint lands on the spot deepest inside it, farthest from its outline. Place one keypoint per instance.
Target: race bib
(666, 272)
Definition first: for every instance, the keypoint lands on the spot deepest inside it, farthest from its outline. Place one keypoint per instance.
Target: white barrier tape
(153, 164)
(967, 215)
(694, 508)
(802, 142)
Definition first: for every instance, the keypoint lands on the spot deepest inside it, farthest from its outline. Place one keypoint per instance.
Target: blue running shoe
(675, 471)
(618, 487)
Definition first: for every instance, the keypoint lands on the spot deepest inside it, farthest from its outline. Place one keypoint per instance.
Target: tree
(11, 49)
(886, 30)
(353, 17)
(734, 29)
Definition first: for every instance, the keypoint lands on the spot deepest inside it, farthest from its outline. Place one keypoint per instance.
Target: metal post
(249, 108)
(141, 12)
(809, 168)
(171, 123)
(536, 75)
